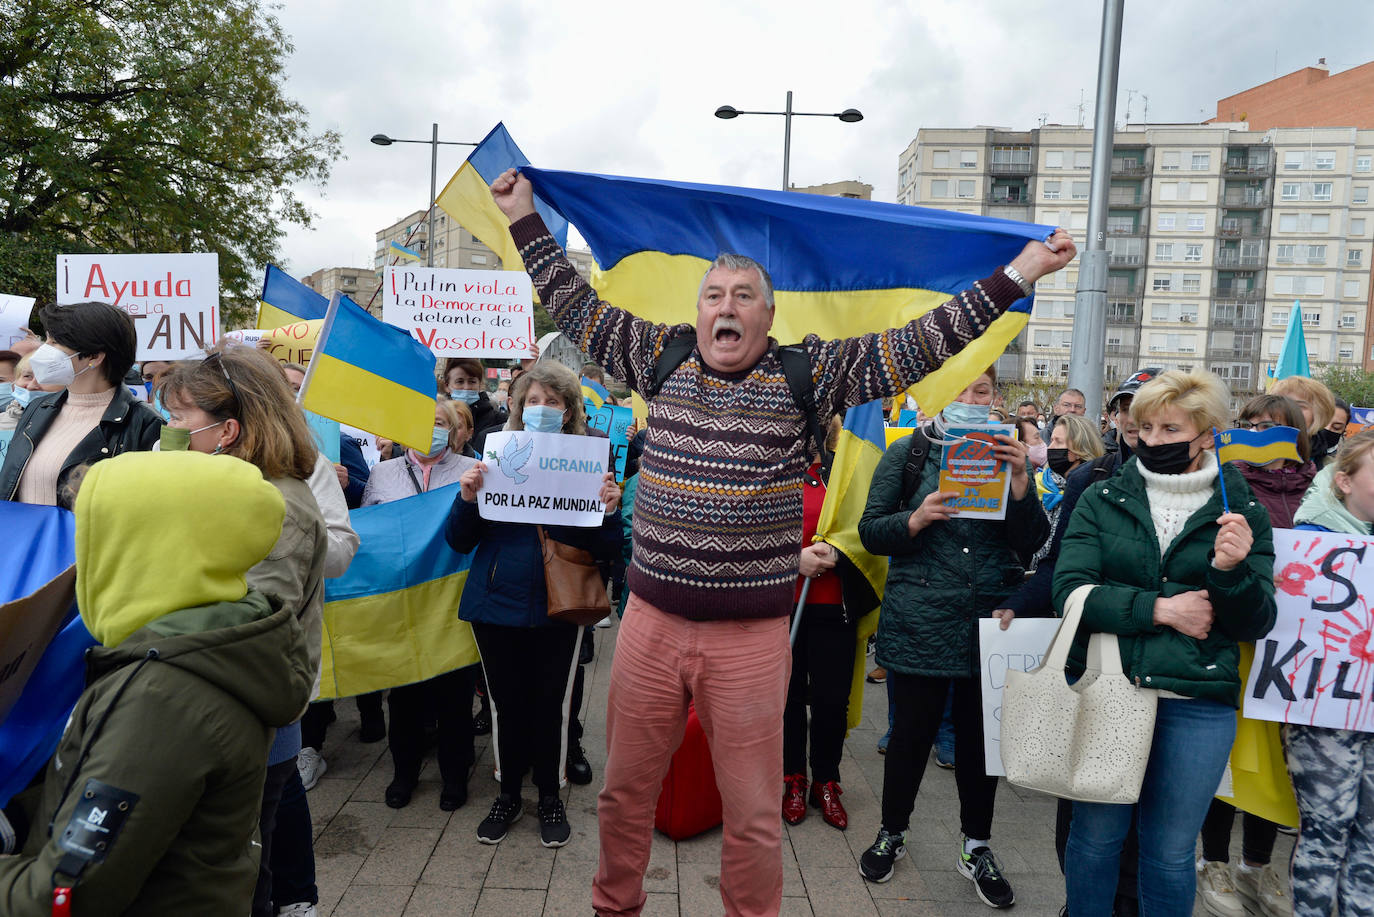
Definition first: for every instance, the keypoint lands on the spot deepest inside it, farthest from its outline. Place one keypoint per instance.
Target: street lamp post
(434, 144)
(848, 115)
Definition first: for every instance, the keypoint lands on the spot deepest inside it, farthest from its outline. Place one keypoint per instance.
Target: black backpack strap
(796, 366)
(678, 349)
(915, 462)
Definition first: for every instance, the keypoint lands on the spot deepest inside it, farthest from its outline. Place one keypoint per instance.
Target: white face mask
(53, 367)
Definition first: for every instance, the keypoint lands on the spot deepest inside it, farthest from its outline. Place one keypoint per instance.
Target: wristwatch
(1015, 276)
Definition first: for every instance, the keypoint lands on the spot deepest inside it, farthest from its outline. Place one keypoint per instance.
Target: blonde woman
(1318, 407)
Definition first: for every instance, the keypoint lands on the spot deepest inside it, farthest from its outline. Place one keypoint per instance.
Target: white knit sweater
(1174, 498)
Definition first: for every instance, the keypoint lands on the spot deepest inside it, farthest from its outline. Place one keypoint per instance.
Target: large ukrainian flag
(392, 619)
(369, 375)
(285, 300)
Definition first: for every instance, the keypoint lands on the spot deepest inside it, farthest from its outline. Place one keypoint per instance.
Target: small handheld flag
(1257, 447)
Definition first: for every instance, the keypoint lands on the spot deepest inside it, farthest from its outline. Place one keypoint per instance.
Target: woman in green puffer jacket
(1181, 580)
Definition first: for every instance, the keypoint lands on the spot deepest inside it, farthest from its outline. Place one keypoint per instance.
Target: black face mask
(1058, 460)
(1167, 458)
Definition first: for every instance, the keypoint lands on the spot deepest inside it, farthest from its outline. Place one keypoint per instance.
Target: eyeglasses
(1260, 425)
(224, 370)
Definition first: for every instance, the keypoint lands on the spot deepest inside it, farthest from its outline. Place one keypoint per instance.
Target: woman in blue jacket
(529, 661)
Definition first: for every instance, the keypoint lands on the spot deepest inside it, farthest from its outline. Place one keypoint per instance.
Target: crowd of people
(708, 551)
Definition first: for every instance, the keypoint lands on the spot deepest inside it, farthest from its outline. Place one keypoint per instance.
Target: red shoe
(826, 797)
(794, 798)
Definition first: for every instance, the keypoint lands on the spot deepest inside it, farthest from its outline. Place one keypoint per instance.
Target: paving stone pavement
(373, 861)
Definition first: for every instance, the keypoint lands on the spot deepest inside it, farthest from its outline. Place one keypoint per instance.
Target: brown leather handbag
(577, 594)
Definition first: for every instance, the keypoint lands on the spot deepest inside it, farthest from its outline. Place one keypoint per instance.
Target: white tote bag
(1089, 741)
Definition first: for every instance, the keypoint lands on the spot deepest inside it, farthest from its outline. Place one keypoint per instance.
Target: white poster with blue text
(544, 478)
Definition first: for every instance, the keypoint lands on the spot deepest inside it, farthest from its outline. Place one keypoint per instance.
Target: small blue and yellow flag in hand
(1258, 447)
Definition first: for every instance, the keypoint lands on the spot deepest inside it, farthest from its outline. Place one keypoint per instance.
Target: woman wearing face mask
(1029, 432)
(450, 694)
(1318, 407)
(237, 402)
(1181, 581)
(1073, 442)
(529, 661)
(465, 383)
(944, 574)
(89, 349)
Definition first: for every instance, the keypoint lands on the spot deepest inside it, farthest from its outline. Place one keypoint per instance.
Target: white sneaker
(604, 622)
(300, 909)
(1262, 890)
(1218, 895)
(311, 766)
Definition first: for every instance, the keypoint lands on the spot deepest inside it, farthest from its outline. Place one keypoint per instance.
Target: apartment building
(357, 283)
(1213, 232)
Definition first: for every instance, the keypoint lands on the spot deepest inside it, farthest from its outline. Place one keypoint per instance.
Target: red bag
(690, 803)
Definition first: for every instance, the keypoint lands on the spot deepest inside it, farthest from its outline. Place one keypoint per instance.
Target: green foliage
(149, 126)
(1349, 382)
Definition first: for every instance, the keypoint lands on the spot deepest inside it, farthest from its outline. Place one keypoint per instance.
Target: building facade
(1213, 232)
(359, 284)
(1310, 97)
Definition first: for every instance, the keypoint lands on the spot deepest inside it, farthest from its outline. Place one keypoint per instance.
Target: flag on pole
(1293, 357)
(369, 375)
(401, 253)
(286, 300)
(1258, 447)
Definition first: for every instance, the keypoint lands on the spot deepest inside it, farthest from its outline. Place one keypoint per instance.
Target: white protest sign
(248, 336)
(367, 442)
(548, 478)
(460, 313)
(173, 299)
(1316, 666)
(1021, 647)
(14, 317)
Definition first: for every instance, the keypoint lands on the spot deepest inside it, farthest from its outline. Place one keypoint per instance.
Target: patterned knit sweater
(718, 515)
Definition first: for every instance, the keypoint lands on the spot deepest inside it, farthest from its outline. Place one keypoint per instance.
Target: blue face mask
(6, 394)
(439, 441)
(147, 390)
(21, 395)
(959, 414)
(157, 406)
(540, 418)
(466, 395)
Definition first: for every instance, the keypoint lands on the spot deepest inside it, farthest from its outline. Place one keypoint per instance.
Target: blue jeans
(1192, 743)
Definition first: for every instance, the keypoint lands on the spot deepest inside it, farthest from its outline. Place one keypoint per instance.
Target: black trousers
(293, 852)
(319, 715)
(446, 698)
(822, 671)
(530, 673)
(1256, 840)
(277, 775)
(920, 705)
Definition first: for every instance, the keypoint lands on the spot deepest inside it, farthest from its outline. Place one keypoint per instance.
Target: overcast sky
(628, 87)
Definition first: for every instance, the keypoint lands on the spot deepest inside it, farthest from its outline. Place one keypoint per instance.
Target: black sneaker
(982, 868)
(505, 812)
(877, 862)
(554, 830)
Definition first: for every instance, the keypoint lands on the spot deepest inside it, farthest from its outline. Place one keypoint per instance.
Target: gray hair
(552, 377)
(733, 262)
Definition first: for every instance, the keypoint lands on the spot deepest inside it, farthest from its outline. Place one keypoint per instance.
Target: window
(1197, 222)
(1361, 195)
(1168, 191)
(1120, 225)
(1347, 351)
(966, 187)
(1197, 191)
(1201, 162)
(1292, 191)
(1364, 163)
(478, 259)
(939, 187)
(1051, 189)
(1164, 251)
(1159, 312)
(904, 178)
(1042, 337)
(1192, 251)
(939, 159)
(1192, 283)
(1351, 289)
(1054, 159)
(1289, 285)
(1078, 220)
(1288, 222)
(1311, 318)
(1321, 191)
(968, 159)
(1276, 344)
(1041, 369)
(1357, 227)
(1319, 222)
(350, 281)
(1284, 253)
(1316, 254)
(1278, 317)
(1082, 159)
(1080, 190)
(1187, 312)
(1325, 160)
(1169, 161)
(1353, 257)
(1163, 283)
(1348, 319)
(1292, 161)
(1159, 342)
(1166, 221)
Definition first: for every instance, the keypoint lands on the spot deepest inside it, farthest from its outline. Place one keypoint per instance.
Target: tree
(1350, 383)
(149, 126)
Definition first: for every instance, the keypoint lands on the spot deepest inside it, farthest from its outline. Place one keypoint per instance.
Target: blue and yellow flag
(857, 454)
(392, 619)
(467, 197)
(1258, 447)
(369, 375)
(401, 253)
(594, 392)
(286, 300)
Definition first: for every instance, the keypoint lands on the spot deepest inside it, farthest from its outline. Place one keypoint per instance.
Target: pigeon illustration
(514, 457)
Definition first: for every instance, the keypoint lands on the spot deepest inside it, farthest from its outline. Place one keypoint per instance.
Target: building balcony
(1126, 199)
(1126, 259)
(1010, 168)
(1238, 295)
(1129, 167)
(1009, 199)
(1244, 168)
(1238, 323)
(1129, 351)
(1232, 354)
(1237, 260)
(1245, 199)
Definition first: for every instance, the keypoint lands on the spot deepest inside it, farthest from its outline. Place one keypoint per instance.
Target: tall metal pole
(1087, 355)
(787, 140)
(433, 191)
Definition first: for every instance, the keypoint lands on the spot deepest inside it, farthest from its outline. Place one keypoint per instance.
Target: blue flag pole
(1221, 478)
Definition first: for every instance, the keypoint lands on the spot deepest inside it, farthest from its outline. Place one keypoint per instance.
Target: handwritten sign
(461, 313)
(614, 420)
(1316, 666)
(1020, 648)
(547, 478)
(970, 468)
(173, 299)
(14, 318)
(5, 437)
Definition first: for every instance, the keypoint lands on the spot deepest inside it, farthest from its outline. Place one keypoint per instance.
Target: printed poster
(546, 478)
(969, 467)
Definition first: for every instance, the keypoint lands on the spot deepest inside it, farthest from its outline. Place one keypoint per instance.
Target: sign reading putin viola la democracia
(545, 478)
(173, 299)
(461, 313)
